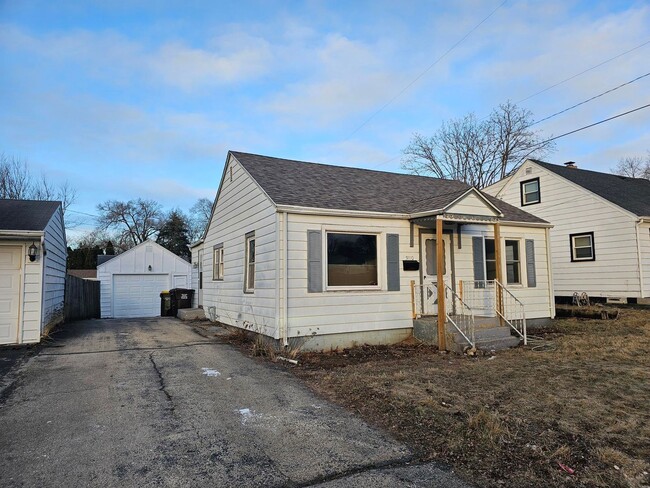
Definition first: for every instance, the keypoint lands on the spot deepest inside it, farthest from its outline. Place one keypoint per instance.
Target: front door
(430, 272)
(10, 266)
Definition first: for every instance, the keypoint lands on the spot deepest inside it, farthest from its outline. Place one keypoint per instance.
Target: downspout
(638, 253)
(285, 283)
(42, 283)
(549, 270)
(278, 233)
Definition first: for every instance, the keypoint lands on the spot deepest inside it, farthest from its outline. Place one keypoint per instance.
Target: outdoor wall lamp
(32, 252)
(150, 268)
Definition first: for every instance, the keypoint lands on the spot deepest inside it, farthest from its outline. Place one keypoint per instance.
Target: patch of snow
(210, 372)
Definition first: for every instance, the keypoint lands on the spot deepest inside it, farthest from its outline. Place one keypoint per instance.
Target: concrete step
(492, 339)
(191, 314)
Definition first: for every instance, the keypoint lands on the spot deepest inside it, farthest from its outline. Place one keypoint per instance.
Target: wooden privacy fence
(81, 299)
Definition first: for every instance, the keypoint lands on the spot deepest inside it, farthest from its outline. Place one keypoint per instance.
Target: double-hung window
(530, 193)
(249, 263)
(217, 262)
(513, 263)
(582, 247)
(351, 260)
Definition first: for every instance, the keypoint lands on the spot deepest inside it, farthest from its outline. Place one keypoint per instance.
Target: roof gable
(631, 194)
(26, 215)
(111, 259)
(313, 185)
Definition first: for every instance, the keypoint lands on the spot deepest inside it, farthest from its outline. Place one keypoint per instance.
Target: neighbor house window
(249, 265)
(490, 260)
(582, 247)
(513, 264)
(351, 260)
(530, 192)
(217, 262)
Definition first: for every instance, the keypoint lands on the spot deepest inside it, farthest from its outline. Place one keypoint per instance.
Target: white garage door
(138, 295)
(10, 261)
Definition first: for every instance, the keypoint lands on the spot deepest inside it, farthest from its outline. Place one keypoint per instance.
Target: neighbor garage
(131, 282)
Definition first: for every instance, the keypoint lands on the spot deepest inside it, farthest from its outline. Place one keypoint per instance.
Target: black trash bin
(180, 298)
(165, 304)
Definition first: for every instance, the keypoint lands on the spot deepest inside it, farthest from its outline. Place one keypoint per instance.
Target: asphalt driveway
(152, 403)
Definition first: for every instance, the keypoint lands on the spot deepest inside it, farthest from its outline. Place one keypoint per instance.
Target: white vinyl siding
(54, 263)
(242, 207)
(574, 210)
(471, 204)
(644, 240)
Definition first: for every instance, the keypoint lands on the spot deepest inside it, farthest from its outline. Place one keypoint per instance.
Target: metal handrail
(502, 313)
(465, 320)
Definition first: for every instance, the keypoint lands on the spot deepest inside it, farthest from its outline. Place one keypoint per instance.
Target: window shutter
(530, 263)
(479, 260)
(392, 260)
(314, 261)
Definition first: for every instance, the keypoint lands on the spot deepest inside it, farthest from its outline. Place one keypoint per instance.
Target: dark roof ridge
(344, 167)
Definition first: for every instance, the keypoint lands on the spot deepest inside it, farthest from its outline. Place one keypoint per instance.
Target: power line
(425, 71)
(82, 213)
(582, 72)
(590, 99)
(594, 124)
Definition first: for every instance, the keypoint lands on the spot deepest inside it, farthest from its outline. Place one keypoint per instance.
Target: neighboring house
(131, 282)
(84, 274)
(196, 250)
(33, 256)
(329, 253)
(600, 239)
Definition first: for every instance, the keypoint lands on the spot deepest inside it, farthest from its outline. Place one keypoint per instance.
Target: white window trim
(249, 238)
(217, 264)
(380, 259)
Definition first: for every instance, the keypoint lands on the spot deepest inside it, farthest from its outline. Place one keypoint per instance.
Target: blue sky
(130, 99)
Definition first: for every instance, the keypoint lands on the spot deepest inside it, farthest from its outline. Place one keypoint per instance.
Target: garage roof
(21, 215)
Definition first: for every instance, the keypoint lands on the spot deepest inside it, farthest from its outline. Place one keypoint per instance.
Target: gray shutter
(530, 263)
(392, 260)
(478, 253)
(314, 261)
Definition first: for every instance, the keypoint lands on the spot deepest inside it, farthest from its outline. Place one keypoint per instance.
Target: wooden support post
(498, 258)
(440, 255)
(413, 299)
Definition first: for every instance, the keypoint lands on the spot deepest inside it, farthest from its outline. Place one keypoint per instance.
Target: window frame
(217, 264)
(518, 261)
(325, 260)
(572, 247)
(248, 273)
(523, 194)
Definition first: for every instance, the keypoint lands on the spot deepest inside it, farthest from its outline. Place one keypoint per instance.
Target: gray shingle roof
(26, 214)
(632, 194)
(314, 185)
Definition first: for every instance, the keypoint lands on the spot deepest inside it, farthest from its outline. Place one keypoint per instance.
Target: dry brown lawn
(576, 414)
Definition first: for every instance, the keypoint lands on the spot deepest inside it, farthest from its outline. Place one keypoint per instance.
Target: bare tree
(199, 215)
(478, 152)
(18, 183)
(135, 221)
(633, 167)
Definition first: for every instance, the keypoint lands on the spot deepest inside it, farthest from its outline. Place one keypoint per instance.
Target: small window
(351, 260)
(217, 263)
(249, 265)
(582, 247)
(490, 260)
(513, 264)
(530, 193)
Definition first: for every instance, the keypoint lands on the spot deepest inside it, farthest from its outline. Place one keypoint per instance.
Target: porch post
(497, 252)
(440, 250)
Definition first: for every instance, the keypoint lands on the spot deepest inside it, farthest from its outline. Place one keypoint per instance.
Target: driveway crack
(163, 386)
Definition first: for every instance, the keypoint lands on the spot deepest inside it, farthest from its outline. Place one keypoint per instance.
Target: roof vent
(529, 170)
(571, 164)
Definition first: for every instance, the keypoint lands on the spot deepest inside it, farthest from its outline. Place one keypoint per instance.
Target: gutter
(549, 271)
(342, 213)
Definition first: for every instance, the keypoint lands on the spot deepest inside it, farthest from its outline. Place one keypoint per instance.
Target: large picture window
(249, 265)
(351, 260)
(530, 193)
(582, 247)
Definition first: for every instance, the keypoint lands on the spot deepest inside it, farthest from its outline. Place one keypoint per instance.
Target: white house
(32, 269)
(341, 255)
(600, 240)
(131, 282)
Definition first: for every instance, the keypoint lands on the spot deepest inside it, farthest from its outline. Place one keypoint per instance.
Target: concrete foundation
(345, 340)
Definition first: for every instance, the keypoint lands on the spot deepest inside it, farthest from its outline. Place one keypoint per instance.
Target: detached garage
(131, 282)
